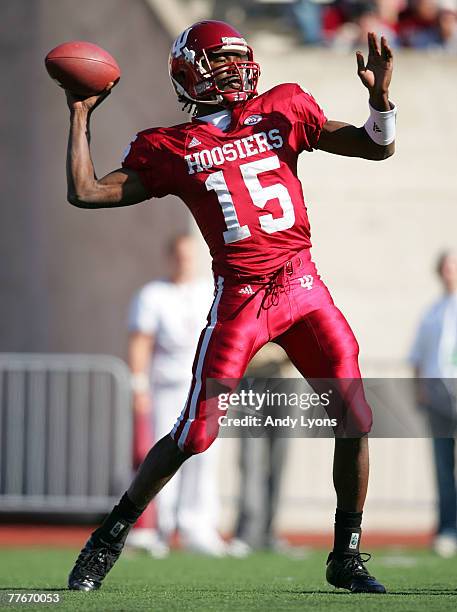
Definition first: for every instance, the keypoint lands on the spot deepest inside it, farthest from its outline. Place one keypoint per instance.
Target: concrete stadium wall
(67, 274)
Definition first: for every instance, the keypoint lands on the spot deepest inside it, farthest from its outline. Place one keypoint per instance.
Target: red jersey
(240, 185)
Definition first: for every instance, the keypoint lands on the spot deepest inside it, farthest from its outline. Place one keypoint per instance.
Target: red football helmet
(192, 76)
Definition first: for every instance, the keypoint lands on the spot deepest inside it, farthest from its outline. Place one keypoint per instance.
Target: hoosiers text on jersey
(231, 151)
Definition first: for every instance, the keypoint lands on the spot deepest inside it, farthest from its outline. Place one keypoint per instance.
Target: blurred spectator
(430, 24)
(308, 15)
(447, 29)
(233, 11)
(344, 24)
(389, 12)
(358, 17)
(262, 461)
(434, 357)
(166, 318)
(418, 24)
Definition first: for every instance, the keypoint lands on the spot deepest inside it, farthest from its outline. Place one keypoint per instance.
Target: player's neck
(209, 109)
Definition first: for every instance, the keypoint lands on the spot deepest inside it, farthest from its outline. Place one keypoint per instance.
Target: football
(82, 67)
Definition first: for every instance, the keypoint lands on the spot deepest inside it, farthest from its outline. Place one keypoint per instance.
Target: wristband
(139, 382)
(380, 125)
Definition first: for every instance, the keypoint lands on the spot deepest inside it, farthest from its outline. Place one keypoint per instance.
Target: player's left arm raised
(376, 139)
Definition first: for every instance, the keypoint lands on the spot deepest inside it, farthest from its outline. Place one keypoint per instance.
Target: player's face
(448, 273)
(228, 78)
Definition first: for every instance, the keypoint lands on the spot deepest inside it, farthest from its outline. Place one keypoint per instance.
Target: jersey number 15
(259, 195)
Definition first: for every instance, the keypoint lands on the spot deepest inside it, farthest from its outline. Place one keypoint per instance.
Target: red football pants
(293, 309)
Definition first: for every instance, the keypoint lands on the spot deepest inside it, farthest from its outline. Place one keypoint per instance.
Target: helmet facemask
(243, 75)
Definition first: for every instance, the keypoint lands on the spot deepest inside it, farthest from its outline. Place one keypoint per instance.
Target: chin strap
(189, 106)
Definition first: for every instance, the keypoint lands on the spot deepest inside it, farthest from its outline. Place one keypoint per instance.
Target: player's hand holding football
(87, 104)
(376, 74)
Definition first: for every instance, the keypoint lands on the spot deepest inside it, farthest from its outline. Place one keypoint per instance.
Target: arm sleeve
(143, 313)
(152, 163)
(309, 119)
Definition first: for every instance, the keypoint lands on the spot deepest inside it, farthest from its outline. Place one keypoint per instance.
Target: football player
(235, 167)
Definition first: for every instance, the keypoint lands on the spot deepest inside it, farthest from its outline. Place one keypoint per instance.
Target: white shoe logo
(354, 541)
(307, 282)
(194, 142)
(116, 530)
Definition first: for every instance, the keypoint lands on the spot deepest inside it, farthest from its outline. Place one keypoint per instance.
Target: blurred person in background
(262, 461)
(359, 17)
(434, 358)
(308, 16)
(419, 25)
(389, 12)
(447, 27)
(166, 318)
(234, 11)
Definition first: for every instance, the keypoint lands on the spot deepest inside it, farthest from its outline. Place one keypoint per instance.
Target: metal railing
(65, 432)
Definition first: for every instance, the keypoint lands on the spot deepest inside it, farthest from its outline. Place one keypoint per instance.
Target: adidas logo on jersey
(307, 282)
(247, 290)
(194, 142)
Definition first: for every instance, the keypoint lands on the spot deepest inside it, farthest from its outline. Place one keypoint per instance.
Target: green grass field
(417, 580)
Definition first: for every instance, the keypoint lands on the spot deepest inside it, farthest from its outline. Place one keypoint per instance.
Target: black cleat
(93, 563)
(349, 572)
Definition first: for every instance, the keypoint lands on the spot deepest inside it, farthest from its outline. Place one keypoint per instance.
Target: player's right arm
(122, 187)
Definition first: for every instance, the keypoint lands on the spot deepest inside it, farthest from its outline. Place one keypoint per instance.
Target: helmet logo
(180, 43)
(189, 55)
(252, 119)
